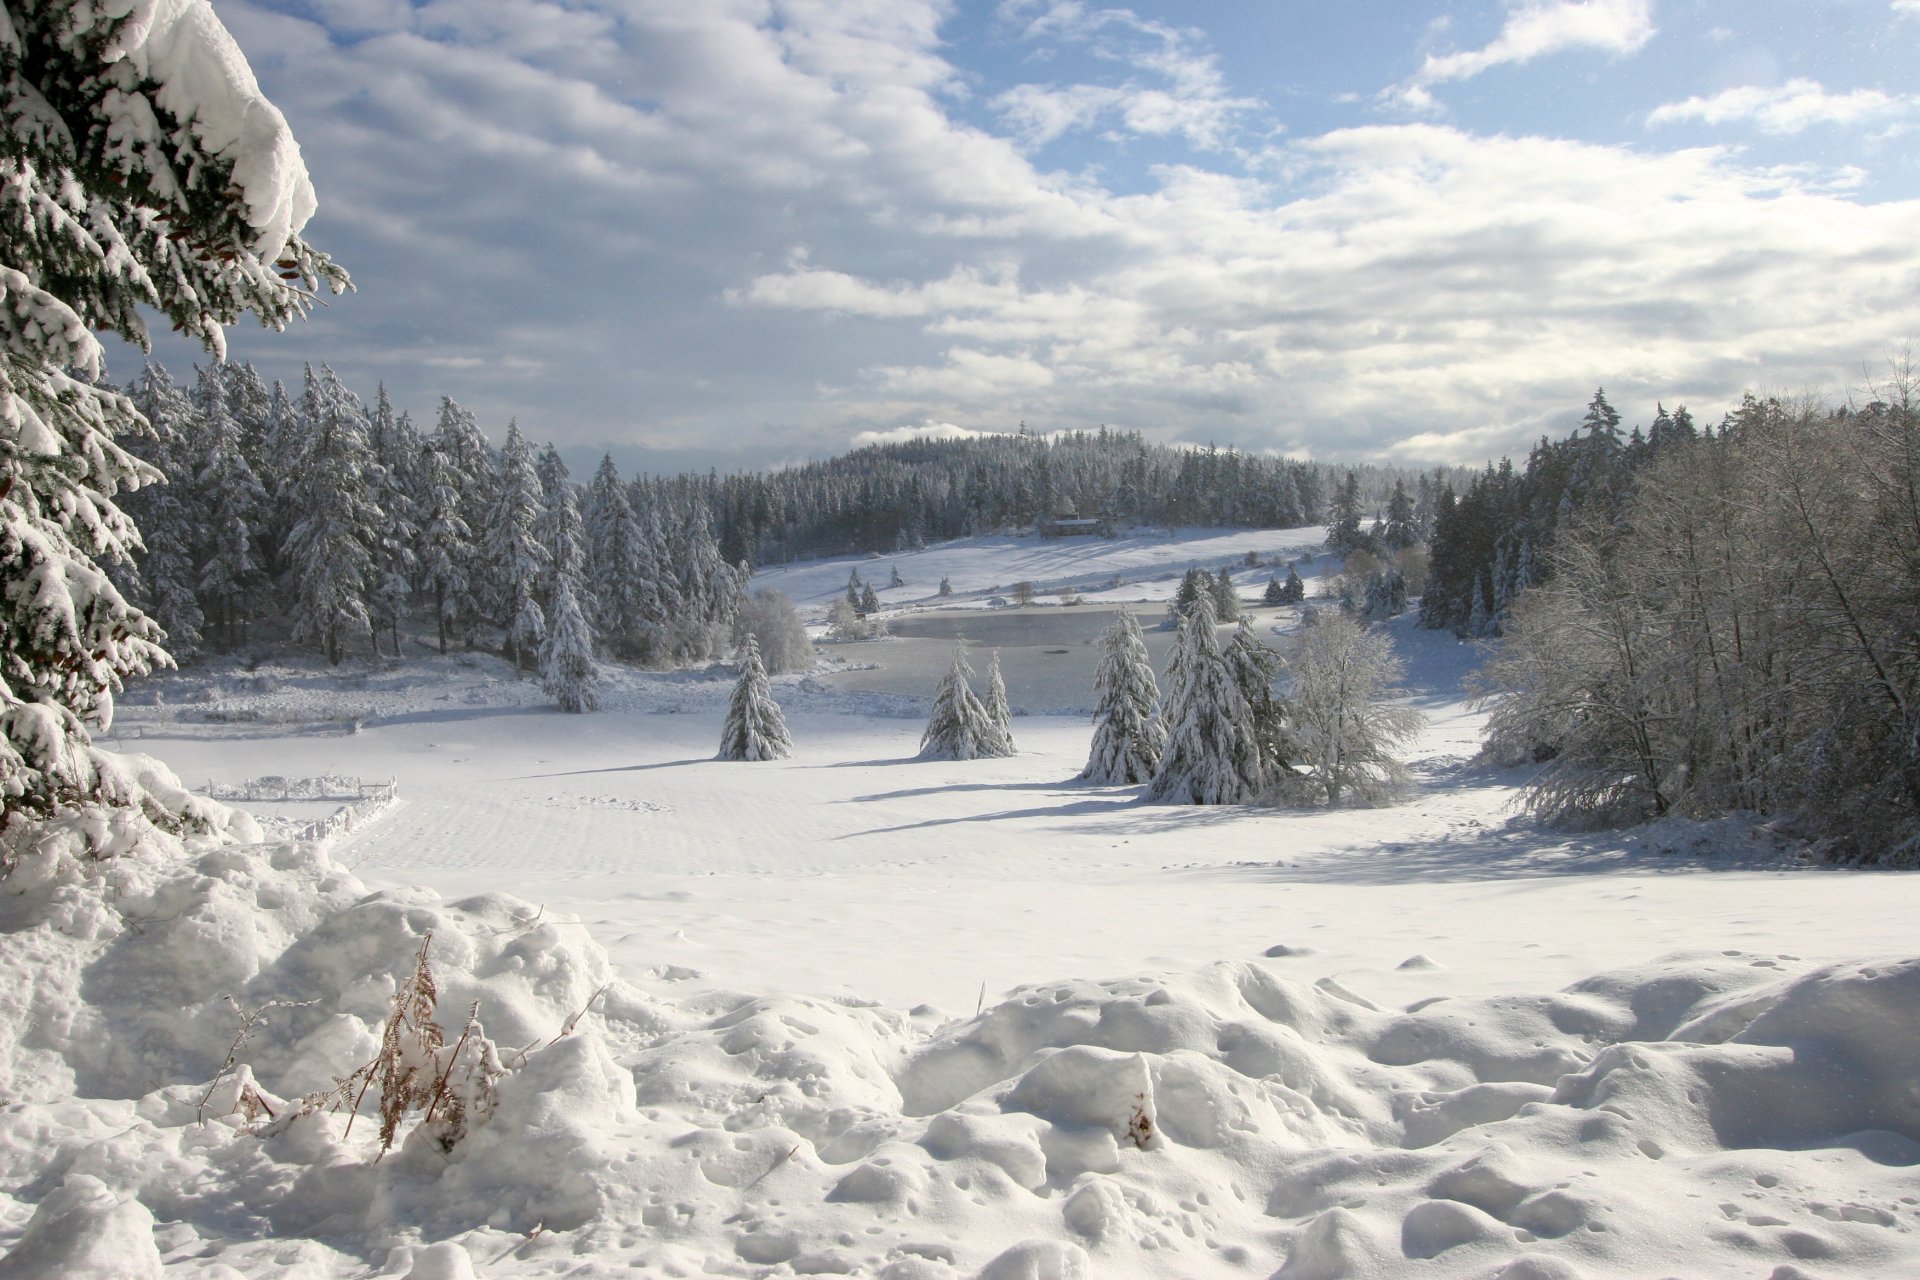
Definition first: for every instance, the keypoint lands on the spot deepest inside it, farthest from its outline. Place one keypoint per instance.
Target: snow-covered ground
(869, 1015)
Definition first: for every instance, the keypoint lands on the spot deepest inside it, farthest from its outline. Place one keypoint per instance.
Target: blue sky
(742, 232)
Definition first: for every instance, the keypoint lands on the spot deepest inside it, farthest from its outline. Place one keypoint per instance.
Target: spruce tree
(999, 714)
(446, 544)
(329, 551)
(127, 184)
(1399, 531)
(1226, 601)
(170, 515)
(1343, 529)
(1275, 592)
(959, 727)
(513, 549)
(1214, 754)
(1296, 590)
(232, 575)
(754, 728)
(1128, 736)
(567, 669)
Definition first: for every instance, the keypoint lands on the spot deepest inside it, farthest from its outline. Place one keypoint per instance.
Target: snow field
(1417, 1041)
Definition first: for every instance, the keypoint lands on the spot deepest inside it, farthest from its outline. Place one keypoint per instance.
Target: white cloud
(596, 234)
(1187, 96)
(1907, 8)
(1789, 108)
(1542, 27)
(906, 435)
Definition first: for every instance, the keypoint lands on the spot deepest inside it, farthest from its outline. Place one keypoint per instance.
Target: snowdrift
(1747, 1113)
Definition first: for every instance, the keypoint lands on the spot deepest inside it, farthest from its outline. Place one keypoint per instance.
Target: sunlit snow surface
(1423, 1040)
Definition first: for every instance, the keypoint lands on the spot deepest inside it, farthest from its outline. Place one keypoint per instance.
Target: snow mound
(1745, 1112)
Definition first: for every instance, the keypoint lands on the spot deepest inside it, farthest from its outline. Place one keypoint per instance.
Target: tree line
(1698, 621)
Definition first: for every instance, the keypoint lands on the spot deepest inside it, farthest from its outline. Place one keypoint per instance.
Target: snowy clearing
(1425, 1040)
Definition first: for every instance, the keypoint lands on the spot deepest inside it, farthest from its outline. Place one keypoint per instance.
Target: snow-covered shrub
(770, 618)
(1343, 730)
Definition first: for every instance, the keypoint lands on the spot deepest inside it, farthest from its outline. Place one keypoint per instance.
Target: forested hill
(892, 496)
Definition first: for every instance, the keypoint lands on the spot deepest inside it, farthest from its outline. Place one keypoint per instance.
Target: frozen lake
(1048, 653)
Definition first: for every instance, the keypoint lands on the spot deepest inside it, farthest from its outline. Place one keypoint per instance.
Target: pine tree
(1226, 601)
(1128, 737)
(1214, 754)
(169, 515)
(754, 729)
(959, 727)
(1275, 592)
(1254, 667)
(567, 669)
(127, 183)
(999, 714)
(513, 547)
(1399, 531)
(446, 544)
(1343, 529)
(336, 523)
(946, 586)
(232, 575)
(1296, 590)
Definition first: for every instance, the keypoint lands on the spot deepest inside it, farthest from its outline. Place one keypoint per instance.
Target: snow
(202, 77)
(857, 1013)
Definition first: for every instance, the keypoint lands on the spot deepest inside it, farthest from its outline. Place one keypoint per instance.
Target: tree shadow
(617, 768)
(1088, 807)
(1518, 849)
(911, 793)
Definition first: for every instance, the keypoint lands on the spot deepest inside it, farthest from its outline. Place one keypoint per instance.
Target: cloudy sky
(741, 232)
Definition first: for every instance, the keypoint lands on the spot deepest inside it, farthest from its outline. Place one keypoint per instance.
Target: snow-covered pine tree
(1226, 601)
(754, 728)
(999, 714)
(567, 670)
(1343, 528)
(446, 544)
(251, 404)
(394, 487)
(553, 473)
(1128, 736)
(946, 586)
(1214, 754)
(1400, 530)
(958, 728)
(231, 574)
(329, 551)
(1254, 668)
(128, 182)
(1296, 590)
(1275, 592)
(657, 600)
(513, 549)
(869, 600)
(281, 447)
(169, 515)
